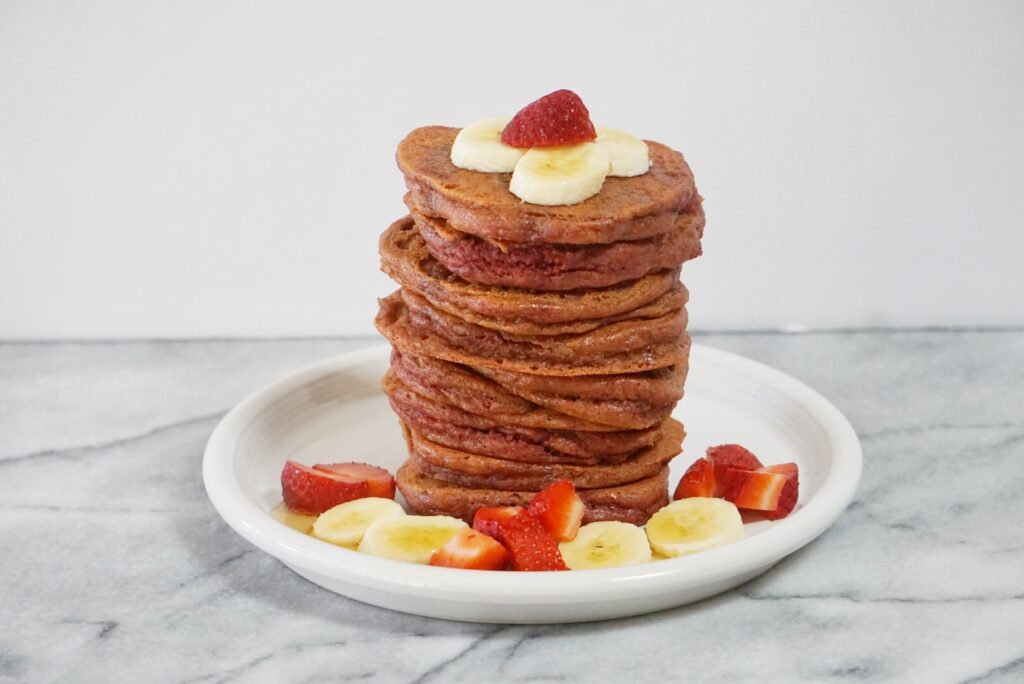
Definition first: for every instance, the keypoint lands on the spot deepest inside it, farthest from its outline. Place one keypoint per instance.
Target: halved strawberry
(790, 491)
(698, 480)
(485, 520)
(559, 509)
(733, 456)
(558, 118)
(380, 481)
(755, 490)
(311, 492)
(529, 545)
(471, 550)
(730, 456)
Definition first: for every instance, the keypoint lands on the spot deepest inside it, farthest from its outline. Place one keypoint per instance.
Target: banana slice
(628, 153)
(564, 174)
(346, 523)
(608, 544)
(410, 538)
(478, 147)
(692, 525)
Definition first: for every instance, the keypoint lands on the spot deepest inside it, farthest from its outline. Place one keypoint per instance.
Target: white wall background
(213, 169)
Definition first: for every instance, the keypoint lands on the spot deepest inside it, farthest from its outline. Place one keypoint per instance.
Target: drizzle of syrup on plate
(296, 521)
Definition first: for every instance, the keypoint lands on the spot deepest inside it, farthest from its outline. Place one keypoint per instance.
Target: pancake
(544, 266)
(405, 258)
(411, 324)
(450, 426)
(449, 383)
(589, 402)
(625, 401)
(632, 503)
(477, 471)
(672, 302)
(481, 204)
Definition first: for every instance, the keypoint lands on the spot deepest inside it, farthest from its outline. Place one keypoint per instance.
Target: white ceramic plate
(335, 411)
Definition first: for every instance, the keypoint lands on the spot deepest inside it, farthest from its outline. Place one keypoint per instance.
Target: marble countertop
(114, 566)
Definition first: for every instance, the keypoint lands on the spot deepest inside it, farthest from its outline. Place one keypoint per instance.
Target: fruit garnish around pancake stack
(547, 532)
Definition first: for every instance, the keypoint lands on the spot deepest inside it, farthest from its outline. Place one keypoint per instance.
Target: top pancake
(481, 204)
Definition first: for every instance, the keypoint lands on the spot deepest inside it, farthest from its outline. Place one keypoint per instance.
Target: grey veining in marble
(115, 568)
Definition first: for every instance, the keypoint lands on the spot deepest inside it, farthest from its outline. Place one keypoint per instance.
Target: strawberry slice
(558, 118)
(485, 520)
(311, 492)
(726, 457)
(698, 480)
(471, 550)
(529, 545)
(790, 491)
(733, 456)
(754, 490)
(380, 481)
(559, 509)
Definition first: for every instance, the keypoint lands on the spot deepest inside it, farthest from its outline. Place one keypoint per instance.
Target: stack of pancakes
(533, 343)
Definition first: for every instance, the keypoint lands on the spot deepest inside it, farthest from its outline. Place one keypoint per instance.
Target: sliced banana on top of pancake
(554, 175)
(564, 174)
(410, 538)
(629, 154)
(478, 147)
(606, 544)
(693, 525)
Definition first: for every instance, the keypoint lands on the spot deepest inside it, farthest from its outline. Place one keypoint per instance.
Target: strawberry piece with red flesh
(485, 520)
(559, 509)
(311, 492)
(753, 490)
(733, 456)
(790, 491)
(380, 481)
(698, 480)
(558, 118)
(472, 551)
(529, 545)
(726, 457)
